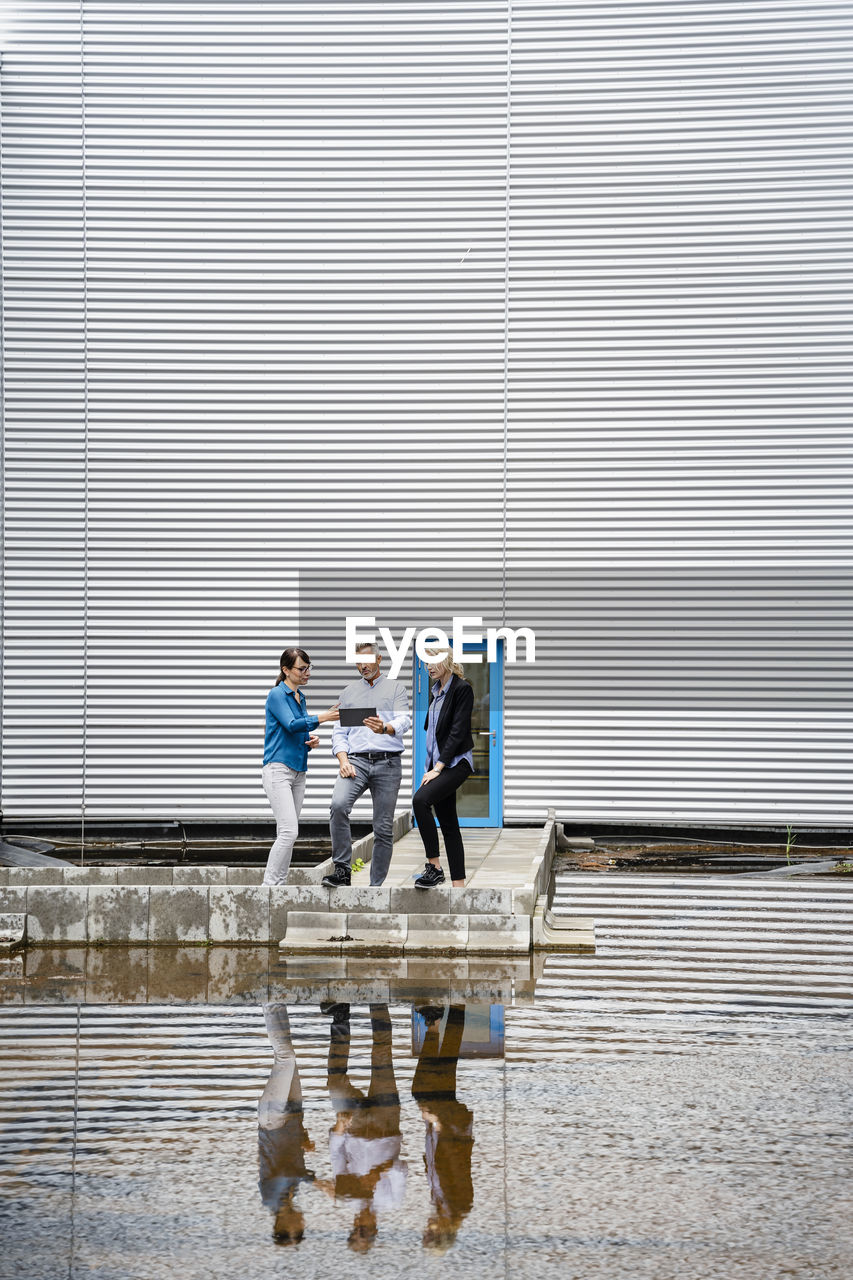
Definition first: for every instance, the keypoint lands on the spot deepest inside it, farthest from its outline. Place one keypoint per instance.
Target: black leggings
(440, 794)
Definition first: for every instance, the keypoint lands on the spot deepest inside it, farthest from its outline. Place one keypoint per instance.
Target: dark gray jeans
(382, 779)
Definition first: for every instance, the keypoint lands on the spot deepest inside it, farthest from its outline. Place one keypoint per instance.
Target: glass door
(479, 801)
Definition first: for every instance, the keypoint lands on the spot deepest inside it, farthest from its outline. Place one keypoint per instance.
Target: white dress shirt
(391, 701)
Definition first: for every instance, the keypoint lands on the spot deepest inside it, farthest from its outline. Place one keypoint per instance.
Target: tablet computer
(352, 717)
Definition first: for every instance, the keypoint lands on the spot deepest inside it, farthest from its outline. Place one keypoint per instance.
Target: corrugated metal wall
(44, 414)
(532, 310)
(679, 401)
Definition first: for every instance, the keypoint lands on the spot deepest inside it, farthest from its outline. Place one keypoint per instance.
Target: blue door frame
(420, 684)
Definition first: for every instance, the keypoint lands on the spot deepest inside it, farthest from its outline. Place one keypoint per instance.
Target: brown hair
(288, 660)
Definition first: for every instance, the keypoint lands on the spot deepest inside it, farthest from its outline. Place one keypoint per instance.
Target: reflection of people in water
(282, 1136)
(365, 1140)
(449, 1128)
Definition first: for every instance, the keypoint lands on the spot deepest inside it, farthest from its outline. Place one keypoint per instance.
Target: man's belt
(373, 755)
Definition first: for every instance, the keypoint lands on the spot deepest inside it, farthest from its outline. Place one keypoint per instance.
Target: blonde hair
(448, 663)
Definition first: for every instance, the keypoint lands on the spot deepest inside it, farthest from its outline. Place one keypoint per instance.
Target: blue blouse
(288, 727)
(432, 720)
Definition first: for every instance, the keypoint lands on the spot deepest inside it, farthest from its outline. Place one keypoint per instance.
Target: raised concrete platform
(502, 910)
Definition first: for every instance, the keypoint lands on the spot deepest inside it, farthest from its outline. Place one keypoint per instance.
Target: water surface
(676, 1105)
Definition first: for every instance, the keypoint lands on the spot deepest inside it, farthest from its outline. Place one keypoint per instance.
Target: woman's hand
(332, 714)
(312, 742)
(429, 775)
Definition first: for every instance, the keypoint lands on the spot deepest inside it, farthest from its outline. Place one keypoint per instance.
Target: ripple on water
(676, 1105)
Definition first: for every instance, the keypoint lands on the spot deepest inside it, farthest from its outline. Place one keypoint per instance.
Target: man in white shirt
(365, 1141)
(369, 758)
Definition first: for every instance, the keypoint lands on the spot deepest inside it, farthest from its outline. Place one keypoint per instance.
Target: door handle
(485, 733)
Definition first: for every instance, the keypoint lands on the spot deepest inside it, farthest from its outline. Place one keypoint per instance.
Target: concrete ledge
(239, 913)
(22, 877)
(561, 933)
(14, 900)
(57, 913)
(379, 933)
(199, 875)
(178, 913)
(118, 913)
(228, 906)
(314, 931)
(479, 901)
(245, 875)
(524, 899)
(144, 875)
(417, 901)
(88, 875)
(37, 875)
(362, 898)
(437, 933)
(498, 934)
(13, 931)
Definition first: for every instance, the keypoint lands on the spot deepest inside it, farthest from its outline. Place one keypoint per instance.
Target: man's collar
(380, 676)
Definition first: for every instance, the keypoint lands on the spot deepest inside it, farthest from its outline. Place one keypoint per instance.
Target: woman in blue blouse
(288, 740)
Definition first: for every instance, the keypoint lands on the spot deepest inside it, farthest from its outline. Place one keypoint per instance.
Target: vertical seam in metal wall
(506, 299)
(85, 436)
(507, 214)
(74, 1139)
(2, 449)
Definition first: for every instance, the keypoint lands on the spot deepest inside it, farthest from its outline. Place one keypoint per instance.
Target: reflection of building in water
(448, 1141)
(365, 1140)
(282, 1137)
(484, 1029)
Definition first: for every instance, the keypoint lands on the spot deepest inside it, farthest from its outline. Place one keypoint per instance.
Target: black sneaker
(337, 878)
(338, 1011)
(430, 1012)
(430, 878)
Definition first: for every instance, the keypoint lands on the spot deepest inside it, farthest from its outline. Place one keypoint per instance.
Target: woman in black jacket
(449, 761)
(449, 1138)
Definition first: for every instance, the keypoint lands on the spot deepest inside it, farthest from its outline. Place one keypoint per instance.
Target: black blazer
(453, 731)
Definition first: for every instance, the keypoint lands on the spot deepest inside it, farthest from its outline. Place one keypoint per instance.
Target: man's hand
(429, 775)
(347, 770)
(376, 723)
(313, 741)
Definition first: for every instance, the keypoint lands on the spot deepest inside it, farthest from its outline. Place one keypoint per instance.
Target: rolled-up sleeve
(282, 708)
(301, 724)
(401, 720)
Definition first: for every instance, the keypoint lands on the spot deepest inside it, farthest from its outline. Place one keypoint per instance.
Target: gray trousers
(382, 779)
